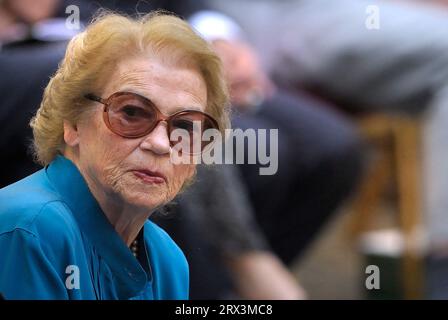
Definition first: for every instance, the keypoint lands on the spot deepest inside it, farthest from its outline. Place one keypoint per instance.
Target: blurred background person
(382, 57)
(320, 150)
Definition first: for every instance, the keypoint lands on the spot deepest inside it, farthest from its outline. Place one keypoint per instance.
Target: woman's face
(121, 168)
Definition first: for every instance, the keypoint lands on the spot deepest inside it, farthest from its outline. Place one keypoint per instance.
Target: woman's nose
(157, 140)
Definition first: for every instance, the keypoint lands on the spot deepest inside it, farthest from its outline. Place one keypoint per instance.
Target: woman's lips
(149, 176)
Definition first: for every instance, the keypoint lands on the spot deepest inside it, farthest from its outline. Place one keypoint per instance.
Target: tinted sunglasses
(131, 115)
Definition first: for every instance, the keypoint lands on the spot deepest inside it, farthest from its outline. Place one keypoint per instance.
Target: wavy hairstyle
(91, 56)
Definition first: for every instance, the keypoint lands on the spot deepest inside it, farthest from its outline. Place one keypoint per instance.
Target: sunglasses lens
(130, 115)
(189, 127)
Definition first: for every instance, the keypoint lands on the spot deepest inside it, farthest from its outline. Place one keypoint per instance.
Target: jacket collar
(69, 183)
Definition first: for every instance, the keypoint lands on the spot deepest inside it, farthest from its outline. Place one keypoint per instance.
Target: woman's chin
(149, 199)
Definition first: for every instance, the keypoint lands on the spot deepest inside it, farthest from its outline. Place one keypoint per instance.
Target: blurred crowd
(305, 67)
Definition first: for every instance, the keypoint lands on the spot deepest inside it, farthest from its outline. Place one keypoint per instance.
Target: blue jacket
(56, 243)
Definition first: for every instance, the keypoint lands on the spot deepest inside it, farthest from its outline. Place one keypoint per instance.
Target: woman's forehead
(143, 69)
(159, 82)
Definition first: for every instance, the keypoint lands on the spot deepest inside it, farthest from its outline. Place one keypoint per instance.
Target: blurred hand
(16, 16)
(248, 83)
(31, 11)
(262, 276)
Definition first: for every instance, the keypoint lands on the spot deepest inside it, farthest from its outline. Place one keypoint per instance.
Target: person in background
(320, 152)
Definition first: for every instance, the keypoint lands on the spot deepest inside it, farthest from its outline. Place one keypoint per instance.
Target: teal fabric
(56, 243)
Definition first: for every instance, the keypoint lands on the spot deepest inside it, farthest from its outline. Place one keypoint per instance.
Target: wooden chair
(397, 145)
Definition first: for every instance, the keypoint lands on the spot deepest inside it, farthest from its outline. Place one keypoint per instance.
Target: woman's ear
(71, 136)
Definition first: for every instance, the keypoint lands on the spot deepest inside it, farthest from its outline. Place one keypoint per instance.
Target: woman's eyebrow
(173, 110)
(134, 91)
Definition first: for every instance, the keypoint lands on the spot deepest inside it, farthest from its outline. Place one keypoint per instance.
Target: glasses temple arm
(93, 97)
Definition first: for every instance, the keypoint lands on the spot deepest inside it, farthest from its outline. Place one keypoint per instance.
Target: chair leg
(408, 167)
(369, 195)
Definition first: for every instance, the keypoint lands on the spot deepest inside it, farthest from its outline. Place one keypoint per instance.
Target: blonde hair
(91, 56)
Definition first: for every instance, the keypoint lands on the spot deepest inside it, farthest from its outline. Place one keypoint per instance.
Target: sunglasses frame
(160, 116)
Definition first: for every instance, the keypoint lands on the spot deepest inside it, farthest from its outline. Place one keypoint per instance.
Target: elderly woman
(79, 229)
